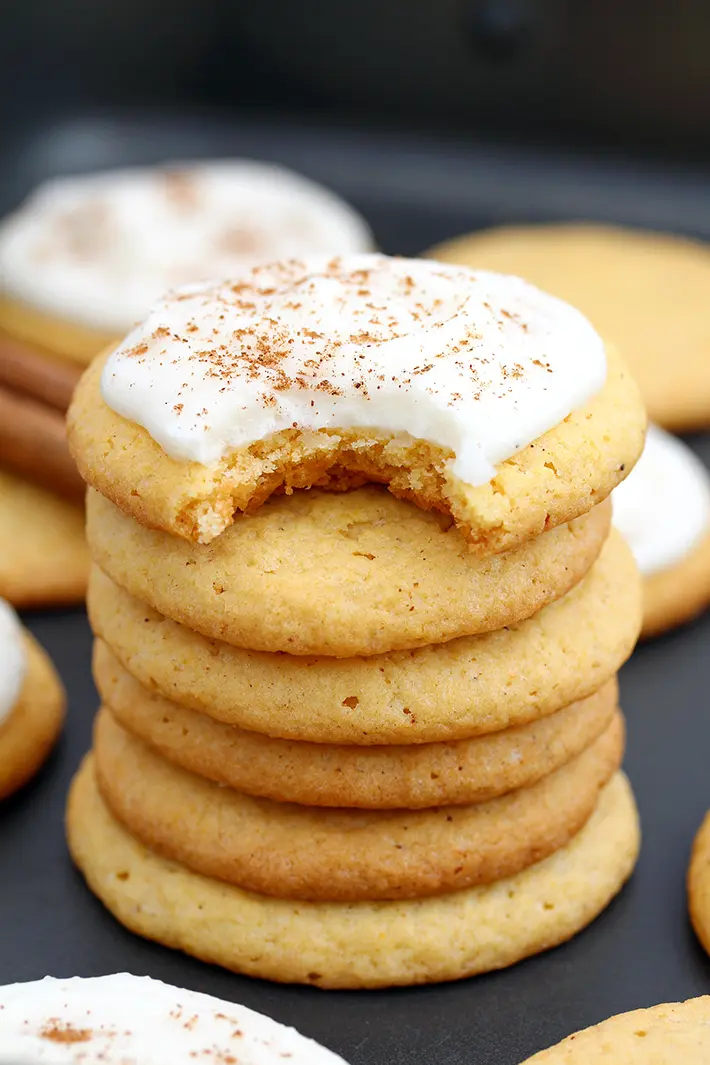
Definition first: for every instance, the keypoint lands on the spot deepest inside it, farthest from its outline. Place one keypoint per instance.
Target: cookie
(662, 1035)
(44, 560)
(31, 704)
(84, 257)
(663, 511)
(474, 394)
(364, 944)
(317, 774)
(384, 574)
(295, 852)
(113, 1020)
(699, 884)
(644, 292)
(452, 691)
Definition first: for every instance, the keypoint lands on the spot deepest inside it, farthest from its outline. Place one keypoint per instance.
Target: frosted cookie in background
(84, 258)
(31, 703)
(663, 511)
(119, 1019)
(644, 292)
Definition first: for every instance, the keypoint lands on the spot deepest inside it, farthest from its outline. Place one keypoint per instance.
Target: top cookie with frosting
(99, 249)
(465, 391)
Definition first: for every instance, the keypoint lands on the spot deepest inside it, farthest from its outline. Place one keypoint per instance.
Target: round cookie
(385, 575)
(671, 1034)
(316, 774)
(83, 257)
(699, 884)
(452, 691)
(32, 726)
(119, 1019)
(355, 945)
(645, 292)
(295, 852)
(663, 511)
(560, 475)
(44, 560)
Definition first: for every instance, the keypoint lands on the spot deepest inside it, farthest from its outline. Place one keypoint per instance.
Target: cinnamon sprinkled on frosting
(475, 362)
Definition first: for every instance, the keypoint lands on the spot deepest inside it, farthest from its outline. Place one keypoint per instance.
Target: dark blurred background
(626, 73)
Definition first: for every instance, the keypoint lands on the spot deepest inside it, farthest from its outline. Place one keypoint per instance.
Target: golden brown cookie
(44, 560)
(357, 573)
(296, 852)
(677, 1033)
(385, 576)
(466, 687)
(30, 731)
(364, 944)
(699, 884)
(560, 476)
(644, 292)
(317, 774)
(674, 596)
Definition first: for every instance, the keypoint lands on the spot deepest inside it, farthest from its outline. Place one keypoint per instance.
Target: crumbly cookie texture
(662, 1035)
(356, 945)
(44, 560)
(384, 575)
(318, 774)
(645, 292)
(30, 731)
(294, 852)
(675, 596)
(451, 691)
(563, 474)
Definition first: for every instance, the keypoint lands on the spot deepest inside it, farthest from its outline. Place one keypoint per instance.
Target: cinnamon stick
(33, 443)
(27, 370)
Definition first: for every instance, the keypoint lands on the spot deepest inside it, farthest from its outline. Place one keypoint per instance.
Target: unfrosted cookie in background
(645, 292)
(663, 511)
(114, 1020)
(454, 388)
(84, 257)
(31, 703)
(44, 559)
(676, 1033)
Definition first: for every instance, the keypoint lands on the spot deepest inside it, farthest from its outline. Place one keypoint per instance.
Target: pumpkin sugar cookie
(663, 512)
(31, 704)
(470, 393)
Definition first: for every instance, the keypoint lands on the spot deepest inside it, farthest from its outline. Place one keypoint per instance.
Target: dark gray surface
(640, 952)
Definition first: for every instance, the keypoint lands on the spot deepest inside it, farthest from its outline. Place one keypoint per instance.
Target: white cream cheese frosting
(131, 1020)
(99, 249)
(662, 509)
(475, 362)
(13, 660)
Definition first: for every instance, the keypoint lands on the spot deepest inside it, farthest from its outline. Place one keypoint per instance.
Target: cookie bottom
(362, 944)
(30, 731)
(678, 594)
(44, 559)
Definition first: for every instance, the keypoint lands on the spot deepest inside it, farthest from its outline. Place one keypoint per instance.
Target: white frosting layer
(13, 660)
(663, 507)
(101, 248)
(131, 1020)
(476, 362)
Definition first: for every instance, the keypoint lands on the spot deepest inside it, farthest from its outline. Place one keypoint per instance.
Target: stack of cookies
(349, 736)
